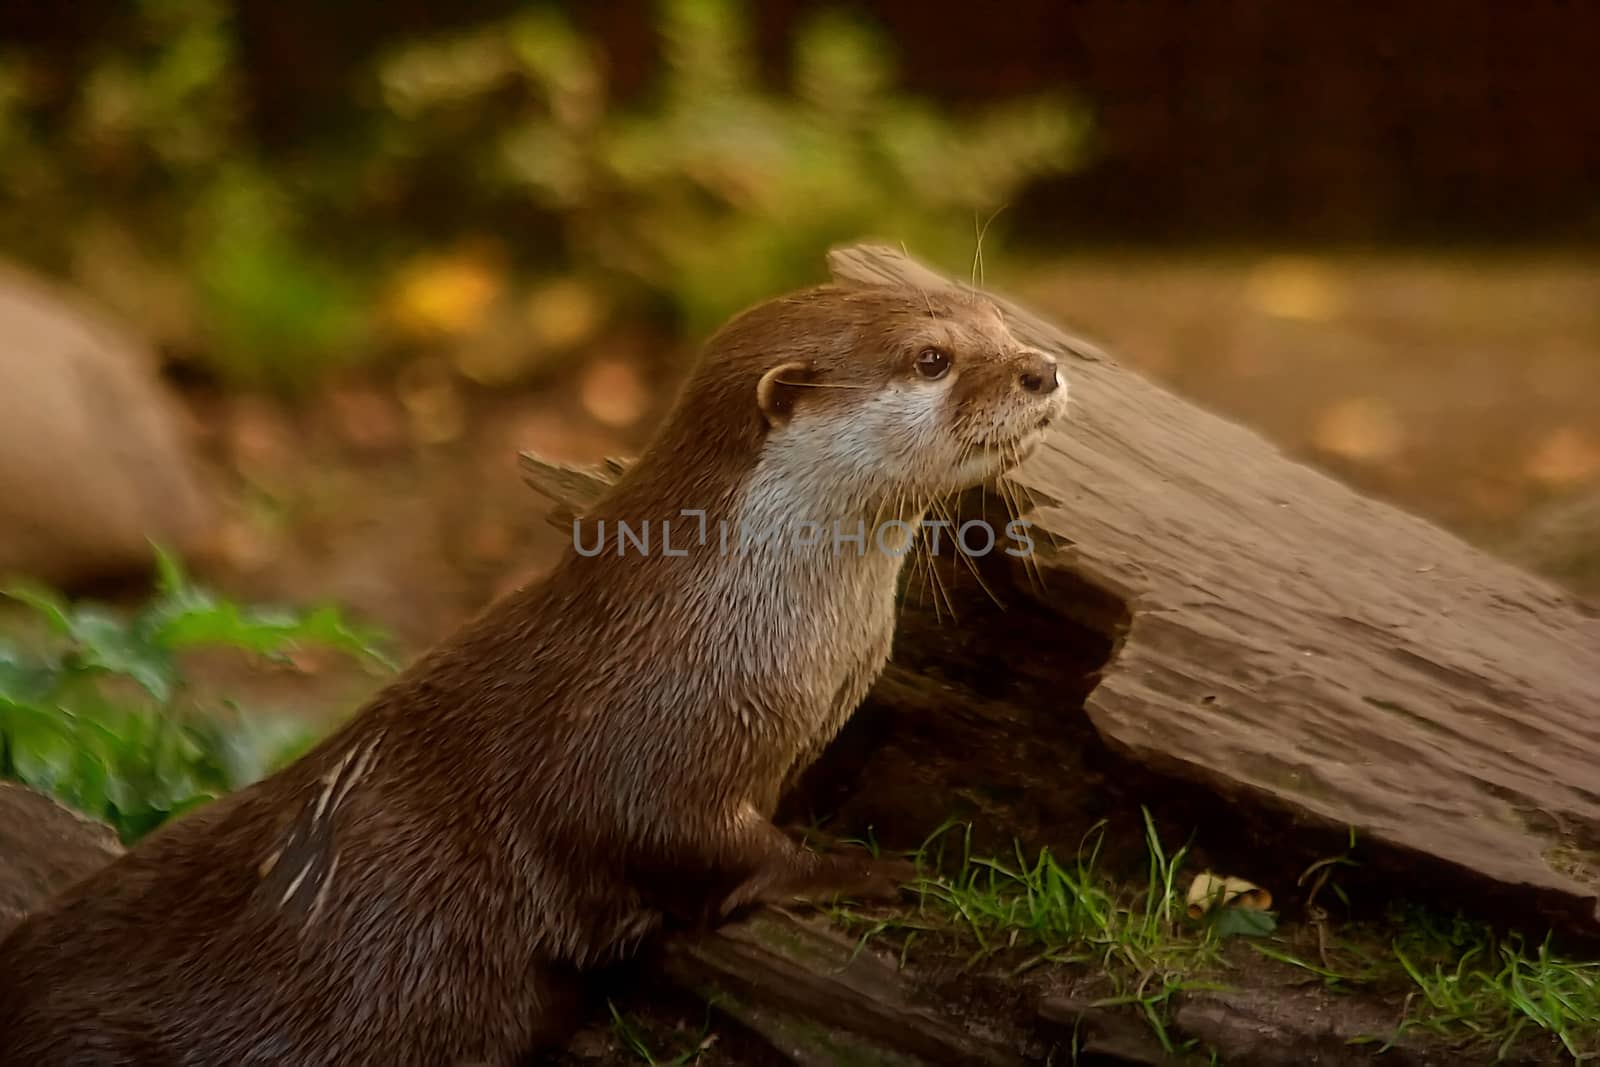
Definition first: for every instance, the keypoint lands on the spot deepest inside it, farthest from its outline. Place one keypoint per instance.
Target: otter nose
(1039, 374)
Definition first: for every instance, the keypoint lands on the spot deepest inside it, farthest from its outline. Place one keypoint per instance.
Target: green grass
(1454, 979)
(1027, 912)
(634, 1038)
(100, 713)
(1467, 982)
(1499, 991)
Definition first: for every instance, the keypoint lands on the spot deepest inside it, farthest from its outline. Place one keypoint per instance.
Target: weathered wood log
(818, 998)
(1253, 1028)
(1206, 616)
(43, 849)
(1237, 621)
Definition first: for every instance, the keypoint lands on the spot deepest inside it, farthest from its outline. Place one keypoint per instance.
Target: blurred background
(291, 284)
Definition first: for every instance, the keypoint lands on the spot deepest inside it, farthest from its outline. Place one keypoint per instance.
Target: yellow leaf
(446, 295)
(1210, 890)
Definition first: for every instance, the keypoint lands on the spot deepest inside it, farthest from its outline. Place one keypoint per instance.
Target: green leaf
(201, 620)
(170, 577)
(43, 756)
(108, 644)
(247, 748)
(24, 679)
(46, 602)
(1244, 922)
(138, 762)
(90, 780)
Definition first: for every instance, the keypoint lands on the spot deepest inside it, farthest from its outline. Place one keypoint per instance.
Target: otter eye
(933, 363)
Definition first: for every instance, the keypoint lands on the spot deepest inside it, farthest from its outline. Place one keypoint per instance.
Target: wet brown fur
(595, 753)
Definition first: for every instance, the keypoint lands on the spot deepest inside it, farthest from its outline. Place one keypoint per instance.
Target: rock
(43, 849)
(92, 463)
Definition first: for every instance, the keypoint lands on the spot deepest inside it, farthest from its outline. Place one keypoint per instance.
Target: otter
(595, 755)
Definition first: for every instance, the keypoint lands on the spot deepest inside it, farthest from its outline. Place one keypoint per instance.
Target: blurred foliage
(719, 192)
(141, 176)
(138, 175)
(102, 719)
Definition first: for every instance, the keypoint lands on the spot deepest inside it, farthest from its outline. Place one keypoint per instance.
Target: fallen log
(44, 848)
(818, 998)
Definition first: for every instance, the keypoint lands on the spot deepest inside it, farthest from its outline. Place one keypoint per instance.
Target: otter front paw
(864, 878)
(809, 878)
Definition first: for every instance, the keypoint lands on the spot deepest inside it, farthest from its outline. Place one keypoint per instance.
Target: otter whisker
(919, 573)
(977, 251)
(928, 581)
(936, 580)
(1008, 494)
(1009, 490)
(927, 563)
(940, 588)
(824, 385)
(914, 576)
(920, 290)
(961, 551)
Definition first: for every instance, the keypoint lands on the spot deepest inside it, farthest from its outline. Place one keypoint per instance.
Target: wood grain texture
(819, 997)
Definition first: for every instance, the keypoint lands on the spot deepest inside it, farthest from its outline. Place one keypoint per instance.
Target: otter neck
(761, 563)
(820, 517)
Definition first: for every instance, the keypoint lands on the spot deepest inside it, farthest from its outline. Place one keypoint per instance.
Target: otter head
(891, 393)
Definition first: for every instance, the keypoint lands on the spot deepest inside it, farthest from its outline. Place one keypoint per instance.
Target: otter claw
(887, 880)
(864, 880)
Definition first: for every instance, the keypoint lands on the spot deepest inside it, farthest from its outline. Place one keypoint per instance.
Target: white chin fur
(977, 469)
(982, 467)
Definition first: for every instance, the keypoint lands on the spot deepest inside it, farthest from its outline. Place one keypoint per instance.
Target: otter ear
(777, 390)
